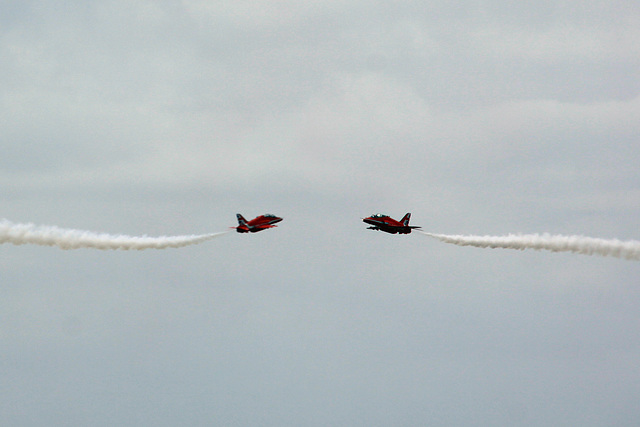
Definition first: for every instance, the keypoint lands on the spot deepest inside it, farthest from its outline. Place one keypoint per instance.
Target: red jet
(389, 225)
(259, 223)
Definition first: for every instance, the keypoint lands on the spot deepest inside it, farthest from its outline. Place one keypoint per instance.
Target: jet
(389, 225)
(259, 223)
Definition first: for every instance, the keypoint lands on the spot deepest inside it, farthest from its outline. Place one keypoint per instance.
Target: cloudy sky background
(169, 117)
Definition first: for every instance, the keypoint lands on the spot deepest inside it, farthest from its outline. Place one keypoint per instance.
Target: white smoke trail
(20, 234)
(556, 243)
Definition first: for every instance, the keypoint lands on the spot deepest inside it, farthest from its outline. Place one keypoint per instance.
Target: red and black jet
(259, 223)
(389, 225)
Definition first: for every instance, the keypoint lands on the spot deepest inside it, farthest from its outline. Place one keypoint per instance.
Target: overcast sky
(169, 117)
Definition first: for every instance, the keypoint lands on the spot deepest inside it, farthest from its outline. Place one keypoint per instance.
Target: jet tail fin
(405, 219)
(241, 220)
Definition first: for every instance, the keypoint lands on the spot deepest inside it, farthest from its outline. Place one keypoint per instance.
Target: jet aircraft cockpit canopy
(269, 216)
(379, 215)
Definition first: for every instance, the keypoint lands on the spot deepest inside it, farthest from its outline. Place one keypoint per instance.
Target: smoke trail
(556, 243)
(20, 234)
